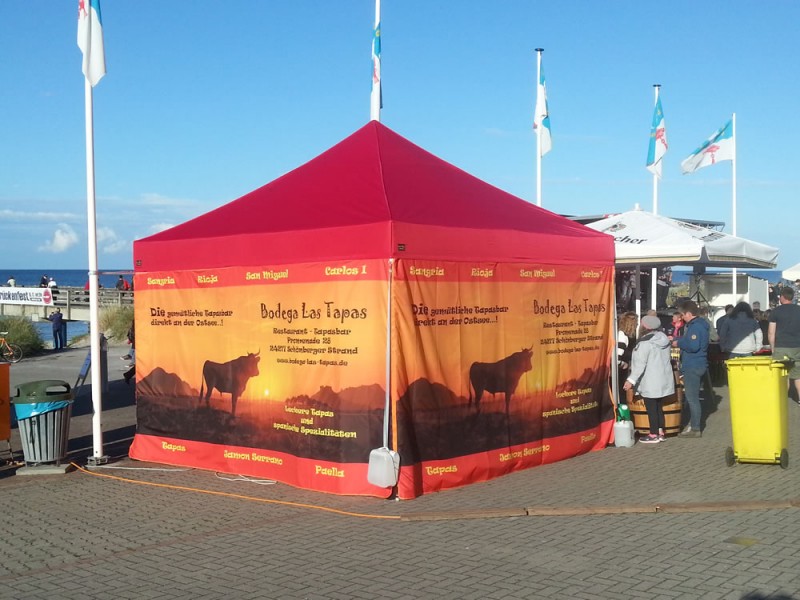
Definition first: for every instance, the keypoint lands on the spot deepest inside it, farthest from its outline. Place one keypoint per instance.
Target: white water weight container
(623, 434)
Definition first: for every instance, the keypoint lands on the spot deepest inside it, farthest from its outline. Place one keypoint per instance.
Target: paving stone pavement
(84, 535)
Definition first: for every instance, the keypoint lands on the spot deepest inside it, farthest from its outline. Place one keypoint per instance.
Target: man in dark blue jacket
(693, 345)
(58, 326)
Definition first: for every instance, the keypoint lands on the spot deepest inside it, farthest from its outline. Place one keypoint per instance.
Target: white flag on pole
(541, 118)
(720, 146)
(658, 141)
(376, 96)
(90, 40)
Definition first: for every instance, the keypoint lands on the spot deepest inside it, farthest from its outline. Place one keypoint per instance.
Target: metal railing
(73, 302)
(78, 296)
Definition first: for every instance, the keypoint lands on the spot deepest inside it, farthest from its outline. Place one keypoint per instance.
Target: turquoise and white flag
(658, 141)
(376, 65)
(541, 117)
(376, 95)
(720, 146)
(90, 40)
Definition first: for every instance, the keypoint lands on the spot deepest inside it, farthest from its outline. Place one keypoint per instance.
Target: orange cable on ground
(239, 496)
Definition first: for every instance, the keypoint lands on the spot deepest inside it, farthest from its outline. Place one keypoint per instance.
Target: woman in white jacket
(651, 375)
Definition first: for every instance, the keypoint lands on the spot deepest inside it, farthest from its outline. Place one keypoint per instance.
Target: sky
(205, 101)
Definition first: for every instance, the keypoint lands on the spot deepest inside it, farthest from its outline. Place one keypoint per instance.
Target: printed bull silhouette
(501, 376)
(230, 377)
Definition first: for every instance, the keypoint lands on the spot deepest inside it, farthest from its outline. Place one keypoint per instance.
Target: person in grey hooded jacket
(651, 375)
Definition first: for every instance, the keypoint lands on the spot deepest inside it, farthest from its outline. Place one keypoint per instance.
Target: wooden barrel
(671, 405)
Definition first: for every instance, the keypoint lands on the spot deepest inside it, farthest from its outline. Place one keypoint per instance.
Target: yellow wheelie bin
(758, 387)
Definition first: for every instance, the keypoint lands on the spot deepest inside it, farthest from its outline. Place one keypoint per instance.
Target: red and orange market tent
(273, 330)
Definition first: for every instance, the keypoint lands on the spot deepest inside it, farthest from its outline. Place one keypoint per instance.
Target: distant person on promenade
(713, 334)
(57, 319)
(131, 372)
(662, 290)
(740, 334)
(784, 334)
(675, 329)
(651, 375)
(11, 282)
(693, 345)
(44, 281)
(774, 289)
(721, 320)
(122, 285)
(762, 316)
(626, 339)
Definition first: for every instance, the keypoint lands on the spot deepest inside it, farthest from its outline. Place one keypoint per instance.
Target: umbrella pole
(638, 292)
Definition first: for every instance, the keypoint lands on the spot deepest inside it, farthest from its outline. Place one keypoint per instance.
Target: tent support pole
(387, 398)
(638, 299)
(614, 358)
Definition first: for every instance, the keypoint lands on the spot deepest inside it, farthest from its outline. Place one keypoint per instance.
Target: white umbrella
(792, 273)
(644, 238)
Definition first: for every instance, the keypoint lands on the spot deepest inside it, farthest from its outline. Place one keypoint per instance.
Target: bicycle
(9, 352)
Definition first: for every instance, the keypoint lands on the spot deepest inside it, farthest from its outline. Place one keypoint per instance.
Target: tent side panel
(274, 372)
(297, 246)
(497, 367)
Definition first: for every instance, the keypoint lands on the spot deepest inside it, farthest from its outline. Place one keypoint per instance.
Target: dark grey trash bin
(43, 410)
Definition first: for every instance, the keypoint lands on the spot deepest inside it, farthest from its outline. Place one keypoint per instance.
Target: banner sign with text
(280, 372)
(37, 296)
(496, 368)
(277, 372)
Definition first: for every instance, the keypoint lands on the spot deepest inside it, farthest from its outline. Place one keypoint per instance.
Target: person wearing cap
(651, 375)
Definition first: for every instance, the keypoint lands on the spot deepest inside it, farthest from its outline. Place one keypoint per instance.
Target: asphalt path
(670, 520)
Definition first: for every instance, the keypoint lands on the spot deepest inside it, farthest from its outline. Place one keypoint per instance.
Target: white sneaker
(688, 432)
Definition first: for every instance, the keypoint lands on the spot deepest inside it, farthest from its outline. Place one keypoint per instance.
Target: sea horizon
(108, 278)
(680, 275)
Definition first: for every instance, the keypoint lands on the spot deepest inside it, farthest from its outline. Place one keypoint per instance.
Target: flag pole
(375, 95)
(733, 204)
(94, 321)
(538, 132)
(654, 271)
(90, 41)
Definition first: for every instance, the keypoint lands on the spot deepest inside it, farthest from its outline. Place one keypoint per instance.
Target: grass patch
(23, 333)
(115, 322)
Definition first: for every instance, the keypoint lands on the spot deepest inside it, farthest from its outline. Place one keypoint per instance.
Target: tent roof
(374, 194)
(792, 273)
(649, 239)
